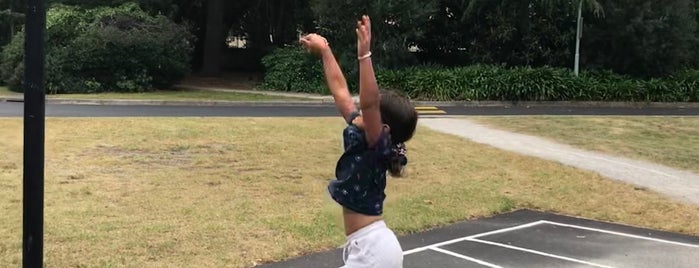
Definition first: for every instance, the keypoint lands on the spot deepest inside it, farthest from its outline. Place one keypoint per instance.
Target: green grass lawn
(233, 192)
(166, 95)
(672, 141)
(4, 91)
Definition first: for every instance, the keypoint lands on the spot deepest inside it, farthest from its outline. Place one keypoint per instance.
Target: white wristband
(365, 56)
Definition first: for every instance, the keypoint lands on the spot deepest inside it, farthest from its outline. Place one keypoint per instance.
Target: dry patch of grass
(672, 141)
(214, 192)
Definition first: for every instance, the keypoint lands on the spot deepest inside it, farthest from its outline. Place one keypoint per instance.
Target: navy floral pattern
(360, 174)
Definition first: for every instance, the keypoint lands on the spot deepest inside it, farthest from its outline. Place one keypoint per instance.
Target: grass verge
(234, 192)
(4, 91)
(672, 141)
(166, 95)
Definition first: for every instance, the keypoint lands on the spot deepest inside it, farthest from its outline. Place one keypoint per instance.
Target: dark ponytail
(401, 117)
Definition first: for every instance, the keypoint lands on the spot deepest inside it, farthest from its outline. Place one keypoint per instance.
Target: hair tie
(400, 150)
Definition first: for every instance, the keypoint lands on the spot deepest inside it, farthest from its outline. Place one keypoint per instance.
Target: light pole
(578, 36)
(12, 22)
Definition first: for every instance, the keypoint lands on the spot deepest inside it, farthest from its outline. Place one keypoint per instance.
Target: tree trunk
(214, 39)
(523, 31)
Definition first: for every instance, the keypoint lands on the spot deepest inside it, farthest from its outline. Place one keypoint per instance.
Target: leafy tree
(257, 20)
(396, 26)
(163, 7)
(642, 37)
(11, 19)
(535, 33)
(104, 49)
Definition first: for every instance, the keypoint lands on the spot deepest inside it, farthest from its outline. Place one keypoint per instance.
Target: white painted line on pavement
(537, 252)
(454, 254)
(622, 234)
(415, 250)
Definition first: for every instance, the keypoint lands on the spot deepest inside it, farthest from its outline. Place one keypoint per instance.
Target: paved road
(14, 109)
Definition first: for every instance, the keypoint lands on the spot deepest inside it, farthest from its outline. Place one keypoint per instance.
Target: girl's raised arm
(318, 45)
(369, 98)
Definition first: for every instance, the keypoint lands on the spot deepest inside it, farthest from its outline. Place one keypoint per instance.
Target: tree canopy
(636, 37)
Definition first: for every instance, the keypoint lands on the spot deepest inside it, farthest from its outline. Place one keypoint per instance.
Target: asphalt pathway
(678, 184)
(534, 239)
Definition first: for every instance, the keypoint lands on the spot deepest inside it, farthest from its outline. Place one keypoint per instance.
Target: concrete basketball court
(528, 238)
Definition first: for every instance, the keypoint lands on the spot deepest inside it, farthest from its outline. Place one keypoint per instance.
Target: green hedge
(119, 49)
(290, 70)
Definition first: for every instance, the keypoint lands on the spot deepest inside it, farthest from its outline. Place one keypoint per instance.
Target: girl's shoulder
(355, 139)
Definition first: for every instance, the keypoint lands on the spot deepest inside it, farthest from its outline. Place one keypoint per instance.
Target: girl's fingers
(363, 28)
(360, 36)
(367, 24)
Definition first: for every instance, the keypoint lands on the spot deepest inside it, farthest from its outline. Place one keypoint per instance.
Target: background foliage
(650, 45)
(105, 49)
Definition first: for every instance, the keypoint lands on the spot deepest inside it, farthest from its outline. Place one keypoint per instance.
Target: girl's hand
(314, 43)
(363, 36)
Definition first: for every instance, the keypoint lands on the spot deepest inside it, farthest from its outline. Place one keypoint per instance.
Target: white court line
(623, 234)
(415, 250)
(465, 257)
(537, 252)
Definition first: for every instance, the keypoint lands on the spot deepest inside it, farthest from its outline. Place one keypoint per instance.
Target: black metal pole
(34, 124)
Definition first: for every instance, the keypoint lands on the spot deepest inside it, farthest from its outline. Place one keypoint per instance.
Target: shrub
(685, 85)
(119, 49)
(291, 70)
(12, 63)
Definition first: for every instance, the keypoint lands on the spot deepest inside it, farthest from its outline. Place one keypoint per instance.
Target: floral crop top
(360, 174)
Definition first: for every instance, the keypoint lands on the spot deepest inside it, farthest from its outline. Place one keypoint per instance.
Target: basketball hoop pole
(34, 125)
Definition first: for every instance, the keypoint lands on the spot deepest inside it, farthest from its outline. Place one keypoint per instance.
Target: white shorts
(373, 246)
